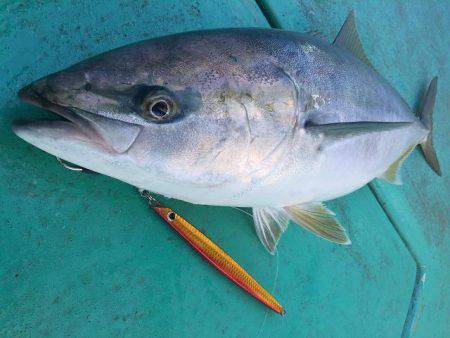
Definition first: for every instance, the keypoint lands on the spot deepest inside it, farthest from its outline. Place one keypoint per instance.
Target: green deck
(81, 255)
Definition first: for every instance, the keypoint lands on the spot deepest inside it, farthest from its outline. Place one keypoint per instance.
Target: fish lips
(114, 135)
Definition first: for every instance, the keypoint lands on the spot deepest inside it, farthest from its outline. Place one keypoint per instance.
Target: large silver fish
(269, 119)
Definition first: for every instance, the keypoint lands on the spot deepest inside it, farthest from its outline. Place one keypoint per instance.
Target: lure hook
(68, 166)
(153, 202)
(74, 167)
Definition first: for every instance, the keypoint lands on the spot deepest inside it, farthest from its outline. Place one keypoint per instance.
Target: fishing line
(245, 212)
(276, 252)
(275, 279)
(273, 290)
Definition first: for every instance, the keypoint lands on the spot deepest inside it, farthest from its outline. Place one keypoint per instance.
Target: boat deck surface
(81, 255)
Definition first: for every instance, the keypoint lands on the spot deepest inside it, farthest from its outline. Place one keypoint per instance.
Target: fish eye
(158, 107)
(87, 87)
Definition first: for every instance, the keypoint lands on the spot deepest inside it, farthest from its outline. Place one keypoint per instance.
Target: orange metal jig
(214, 254)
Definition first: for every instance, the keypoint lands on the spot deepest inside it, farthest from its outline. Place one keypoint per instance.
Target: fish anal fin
(348, 38)
(318, 219)
(270, 223)
(392, 174)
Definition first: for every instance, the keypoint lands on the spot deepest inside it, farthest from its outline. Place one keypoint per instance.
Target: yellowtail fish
(269, 119)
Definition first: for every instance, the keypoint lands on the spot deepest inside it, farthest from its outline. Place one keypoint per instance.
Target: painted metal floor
(81, 255)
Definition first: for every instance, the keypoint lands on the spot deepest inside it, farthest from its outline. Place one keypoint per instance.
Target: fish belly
(347, 165)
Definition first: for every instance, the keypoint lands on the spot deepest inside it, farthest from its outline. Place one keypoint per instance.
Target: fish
(269, 119)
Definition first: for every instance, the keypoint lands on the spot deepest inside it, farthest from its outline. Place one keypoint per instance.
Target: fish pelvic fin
(320, 220)
(270, 223)
(392, 174)
(426, 117)
(348, 38)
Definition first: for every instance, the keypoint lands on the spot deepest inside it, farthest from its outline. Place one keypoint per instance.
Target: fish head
(193, 114)
(145, 114)
(109, 103)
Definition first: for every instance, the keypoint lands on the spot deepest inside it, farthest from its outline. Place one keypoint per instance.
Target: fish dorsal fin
(344, 130)
(392, 174)
(348, 38)
(270, 223)
(318, 219)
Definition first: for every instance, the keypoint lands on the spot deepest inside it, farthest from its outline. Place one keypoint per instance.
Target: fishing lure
(213, 253)
(207, 248)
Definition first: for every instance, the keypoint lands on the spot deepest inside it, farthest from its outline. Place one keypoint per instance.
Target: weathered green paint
(81, 255)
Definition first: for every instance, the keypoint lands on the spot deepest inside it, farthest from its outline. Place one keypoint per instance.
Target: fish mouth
(113, 136)
(30, 95)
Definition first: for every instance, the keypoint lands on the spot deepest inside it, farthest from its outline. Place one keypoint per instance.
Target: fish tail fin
(426, 117)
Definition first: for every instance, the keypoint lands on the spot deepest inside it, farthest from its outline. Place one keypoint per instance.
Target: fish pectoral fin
(270, 223)
(318, 219)
(392, 174)
(345, 130)
(348, 38)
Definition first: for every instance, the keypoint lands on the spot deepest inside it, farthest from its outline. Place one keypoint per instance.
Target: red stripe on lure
(214, 254)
